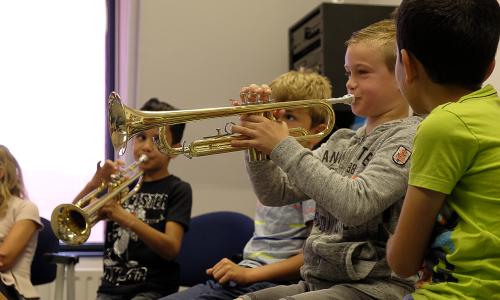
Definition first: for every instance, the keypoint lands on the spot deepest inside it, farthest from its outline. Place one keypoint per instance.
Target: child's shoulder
(177, 182)
(175, 178)
(23, 203)
(474, 103)
(408, 124)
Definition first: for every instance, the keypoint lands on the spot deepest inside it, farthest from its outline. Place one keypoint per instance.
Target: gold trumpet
(72, 223)
(125, 122)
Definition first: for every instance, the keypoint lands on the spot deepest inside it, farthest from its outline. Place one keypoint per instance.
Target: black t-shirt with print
(130, 266)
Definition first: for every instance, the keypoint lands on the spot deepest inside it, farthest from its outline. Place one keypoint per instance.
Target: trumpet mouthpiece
(143, 158)
(346, 99)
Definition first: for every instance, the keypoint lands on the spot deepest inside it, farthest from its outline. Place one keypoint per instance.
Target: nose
(148, 144)
(350, 84)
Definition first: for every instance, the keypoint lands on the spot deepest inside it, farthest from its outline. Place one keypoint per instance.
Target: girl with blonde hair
(19, 222)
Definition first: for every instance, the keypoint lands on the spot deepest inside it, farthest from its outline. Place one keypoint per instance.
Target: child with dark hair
(144, 235)
(177, 130)
(449, 223)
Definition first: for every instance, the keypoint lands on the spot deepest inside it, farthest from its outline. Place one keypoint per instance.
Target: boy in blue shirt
(274, 254)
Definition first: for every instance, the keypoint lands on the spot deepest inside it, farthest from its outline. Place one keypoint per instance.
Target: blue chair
(43, 271)
(211, 237)
(49, 264)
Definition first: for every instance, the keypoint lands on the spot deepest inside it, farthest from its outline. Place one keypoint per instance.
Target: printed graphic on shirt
(401, 155)
(326, 223)
(334, 157)
(118, 268)
(436, 267)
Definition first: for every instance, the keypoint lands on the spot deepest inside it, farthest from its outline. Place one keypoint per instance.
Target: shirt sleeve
(443, 150)
(297, 173)
(180, 203)
(28, 210)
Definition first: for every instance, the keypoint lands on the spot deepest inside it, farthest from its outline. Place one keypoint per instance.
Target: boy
(274, 253)
(357, 178)
(446, 51)
(144, 236)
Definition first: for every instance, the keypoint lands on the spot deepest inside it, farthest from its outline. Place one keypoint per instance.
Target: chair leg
(58, 291)
(70, 282)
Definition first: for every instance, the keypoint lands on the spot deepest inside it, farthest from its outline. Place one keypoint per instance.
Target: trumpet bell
(117, 123)
(70, 224)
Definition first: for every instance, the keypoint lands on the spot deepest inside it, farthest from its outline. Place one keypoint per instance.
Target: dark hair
(455, 40)
(177, 130)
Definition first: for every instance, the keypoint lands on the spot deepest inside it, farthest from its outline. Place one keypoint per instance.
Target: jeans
(139, 296)
(300, 291)
(214, 291)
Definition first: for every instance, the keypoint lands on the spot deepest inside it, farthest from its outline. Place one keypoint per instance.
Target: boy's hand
(103, 173)
(226, 270)
(254, 93)
(113, 210)
(259, 132)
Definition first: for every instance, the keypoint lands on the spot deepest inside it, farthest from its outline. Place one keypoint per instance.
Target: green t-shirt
(457, 152)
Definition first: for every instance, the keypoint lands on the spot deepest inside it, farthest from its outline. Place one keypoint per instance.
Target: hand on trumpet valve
(253, 94)
(114, 211)
(258, 131)
(105, 173)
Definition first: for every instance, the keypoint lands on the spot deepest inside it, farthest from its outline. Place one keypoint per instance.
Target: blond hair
(11, 179)
(382, 35)
(303, 85)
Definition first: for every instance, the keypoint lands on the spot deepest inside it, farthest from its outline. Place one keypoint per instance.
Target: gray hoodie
(358, 182)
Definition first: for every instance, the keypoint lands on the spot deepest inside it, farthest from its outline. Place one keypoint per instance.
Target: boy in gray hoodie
(357, 178)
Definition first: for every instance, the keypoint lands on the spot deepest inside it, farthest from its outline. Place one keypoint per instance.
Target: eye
(140, 137)
(362, 71)
(289, 117)
(347, 74)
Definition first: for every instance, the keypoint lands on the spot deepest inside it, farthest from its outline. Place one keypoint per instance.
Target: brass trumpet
(72, 223)
(125, 122)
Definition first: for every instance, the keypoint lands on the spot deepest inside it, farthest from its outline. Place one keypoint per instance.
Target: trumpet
(72, 223)
(125, 122)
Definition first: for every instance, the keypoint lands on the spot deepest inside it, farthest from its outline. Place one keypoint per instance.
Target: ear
(410, 65)
(490, 69)
(318, 128)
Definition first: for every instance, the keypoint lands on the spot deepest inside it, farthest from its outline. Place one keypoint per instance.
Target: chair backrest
(211, 237)
(43, 271)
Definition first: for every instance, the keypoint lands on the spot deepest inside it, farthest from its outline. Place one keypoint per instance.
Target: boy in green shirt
(450, 220)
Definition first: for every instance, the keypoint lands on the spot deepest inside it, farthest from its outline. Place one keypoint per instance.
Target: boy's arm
(406, 248)
(268, 180)
(352, 199)
(166, 244)
(102, 174)
(287, 269)
(226, 270)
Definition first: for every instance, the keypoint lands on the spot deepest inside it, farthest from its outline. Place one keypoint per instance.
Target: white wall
(197, 54)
